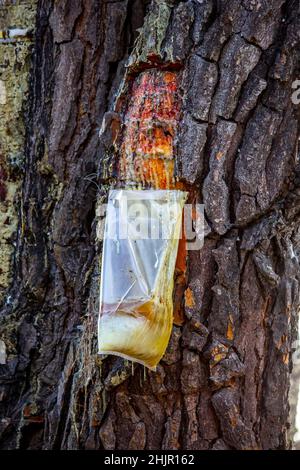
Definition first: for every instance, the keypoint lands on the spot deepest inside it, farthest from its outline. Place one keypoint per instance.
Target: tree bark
(224, 380)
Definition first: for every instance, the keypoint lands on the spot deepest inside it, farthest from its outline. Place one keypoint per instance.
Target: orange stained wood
(182, 252)
(158, 171)
(285, 359)
(189, 298)
(147, 152)
(230, 329)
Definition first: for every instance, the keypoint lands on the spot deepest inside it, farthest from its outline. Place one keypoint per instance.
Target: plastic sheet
(142, 232)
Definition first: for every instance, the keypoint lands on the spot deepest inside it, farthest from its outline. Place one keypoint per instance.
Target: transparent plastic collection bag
(142, 231)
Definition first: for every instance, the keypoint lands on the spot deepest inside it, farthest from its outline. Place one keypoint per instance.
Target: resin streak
(147, 154)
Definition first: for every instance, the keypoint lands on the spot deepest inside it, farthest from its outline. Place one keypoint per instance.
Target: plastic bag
(142, 231)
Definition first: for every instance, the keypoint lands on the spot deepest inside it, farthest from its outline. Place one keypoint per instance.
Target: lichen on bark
(17, 23)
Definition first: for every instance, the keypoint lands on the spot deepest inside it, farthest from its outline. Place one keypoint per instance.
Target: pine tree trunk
(224, 381)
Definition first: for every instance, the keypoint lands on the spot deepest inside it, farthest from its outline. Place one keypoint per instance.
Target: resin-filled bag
(142, 232)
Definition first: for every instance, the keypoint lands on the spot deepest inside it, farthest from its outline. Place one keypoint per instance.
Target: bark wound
(151, 121)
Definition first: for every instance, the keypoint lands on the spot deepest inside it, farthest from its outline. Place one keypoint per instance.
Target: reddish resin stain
(3, 178)
(147, 153)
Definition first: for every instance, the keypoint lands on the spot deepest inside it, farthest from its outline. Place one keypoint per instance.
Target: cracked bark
(224, 381)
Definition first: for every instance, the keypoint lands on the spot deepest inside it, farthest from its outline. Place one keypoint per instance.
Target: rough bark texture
(294, 399)
(223, 383)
